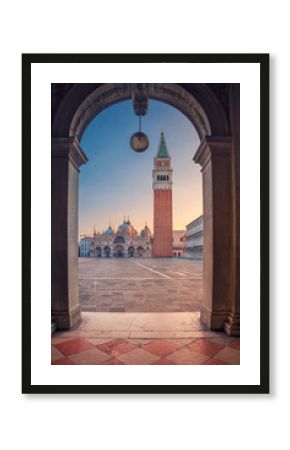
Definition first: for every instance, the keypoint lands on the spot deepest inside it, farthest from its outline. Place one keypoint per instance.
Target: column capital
(68, 148)
(212, 146)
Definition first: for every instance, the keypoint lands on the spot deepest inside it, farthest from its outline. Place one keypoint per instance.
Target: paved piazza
(140, 284)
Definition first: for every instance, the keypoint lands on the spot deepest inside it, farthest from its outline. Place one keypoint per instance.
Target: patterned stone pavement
(221, 350)
(140, 285)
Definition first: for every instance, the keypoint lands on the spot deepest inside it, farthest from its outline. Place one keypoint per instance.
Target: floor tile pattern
(86, 351)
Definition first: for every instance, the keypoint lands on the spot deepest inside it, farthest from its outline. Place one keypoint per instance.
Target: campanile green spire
(162, 149)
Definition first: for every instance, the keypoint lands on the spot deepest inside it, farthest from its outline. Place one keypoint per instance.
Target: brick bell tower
(162, 187)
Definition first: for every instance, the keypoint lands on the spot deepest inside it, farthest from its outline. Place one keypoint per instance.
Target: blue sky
(117, 181)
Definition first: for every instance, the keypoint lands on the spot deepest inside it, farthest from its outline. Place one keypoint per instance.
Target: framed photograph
(145, 223)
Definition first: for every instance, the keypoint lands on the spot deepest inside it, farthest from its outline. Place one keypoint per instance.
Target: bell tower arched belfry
(162, 187)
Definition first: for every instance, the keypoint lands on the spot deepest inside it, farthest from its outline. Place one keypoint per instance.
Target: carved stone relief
(108, 94)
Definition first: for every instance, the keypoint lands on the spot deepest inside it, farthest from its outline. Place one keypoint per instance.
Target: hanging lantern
(139, 141)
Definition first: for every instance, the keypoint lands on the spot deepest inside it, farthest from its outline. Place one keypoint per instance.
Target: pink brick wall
(162, 223)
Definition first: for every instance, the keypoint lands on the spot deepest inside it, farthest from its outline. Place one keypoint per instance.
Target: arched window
(107, 252)
(119, 240)
(131, 252)
(140, 251)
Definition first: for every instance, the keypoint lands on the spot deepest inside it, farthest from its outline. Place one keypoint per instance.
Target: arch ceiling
(84, 101)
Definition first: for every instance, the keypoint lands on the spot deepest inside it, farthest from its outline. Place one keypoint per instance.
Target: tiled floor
(210, 351)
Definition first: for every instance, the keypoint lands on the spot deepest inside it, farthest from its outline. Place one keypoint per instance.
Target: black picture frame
(263, 61)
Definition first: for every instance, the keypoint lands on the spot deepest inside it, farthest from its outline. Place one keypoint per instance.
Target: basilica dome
(126, 228)
(109, 232)
(145, 233)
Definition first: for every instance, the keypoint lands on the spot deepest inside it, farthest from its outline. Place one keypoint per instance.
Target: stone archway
(131, 251)
(83, 101)
(107, 252)
(214, 112)
(119, 251)
(140, 251)
(98, 252)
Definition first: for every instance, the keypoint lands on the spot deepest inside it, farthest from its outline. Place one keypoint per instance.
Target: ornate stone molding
(68, 148)
(212, 146)
(111, 93)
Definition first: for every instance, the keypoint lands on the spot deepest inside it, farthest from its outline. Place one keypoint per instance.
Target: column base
(214, 320)
(232, 325)
(64, 320)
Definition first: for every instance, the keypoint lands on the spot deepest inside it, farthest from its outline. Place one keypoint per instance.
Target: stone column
(214, 156)
(67, 157)
(232, 325)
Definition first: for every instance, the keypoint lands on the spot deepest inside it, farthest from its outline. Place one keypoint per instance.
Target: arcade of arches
(213, 109)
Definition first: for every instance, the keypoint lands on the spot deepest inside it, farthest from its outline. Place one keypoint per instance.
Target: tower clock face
(139, 142)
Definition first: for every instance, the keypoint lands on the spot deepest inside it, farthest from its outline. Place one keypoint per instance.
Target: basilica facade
(124, 242)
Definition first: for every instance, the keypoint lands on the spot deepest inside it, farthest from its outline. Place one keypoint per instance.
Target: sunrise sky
(117, 182)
